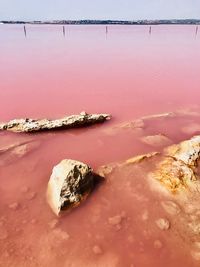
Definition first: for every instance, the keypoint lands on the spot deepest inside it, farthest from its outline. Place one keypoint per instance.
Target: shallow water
(126, 72)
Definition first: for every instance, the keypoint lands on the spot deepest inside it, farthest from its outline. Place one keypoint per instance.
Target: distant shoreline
(108, 22)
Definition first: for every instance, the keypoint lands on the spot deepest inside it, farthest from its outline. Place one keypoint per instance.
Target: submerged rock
(12, 152)
(97, 250)
(159, 116)
(191, 128)
(138, 123)
(140, 158)
(33, 125)
(70, 183)
(170, 207)
(156, 140)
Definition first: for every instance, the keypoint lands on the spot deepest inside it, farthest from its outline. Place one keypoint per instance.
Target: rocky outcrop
(178, 169)
(73, 121)
(176, 166)
(187, 151)
(70, 183)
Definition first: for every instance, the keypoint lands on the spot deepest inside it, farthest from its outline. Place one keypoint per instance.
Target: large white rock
(70, 183)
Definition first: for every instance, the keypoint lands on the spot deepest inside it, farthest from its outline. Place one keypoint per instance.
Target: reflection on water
(122, 70)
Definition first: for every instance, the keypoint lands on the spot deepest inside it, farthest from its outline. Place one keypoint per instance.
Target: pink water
(126, 72)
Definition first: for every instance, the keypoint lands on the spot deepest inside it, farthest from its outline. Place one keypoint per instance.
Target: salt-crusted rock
(187, 151)
(174, 175)
(70, 183)
(32, 125)
(178, 168)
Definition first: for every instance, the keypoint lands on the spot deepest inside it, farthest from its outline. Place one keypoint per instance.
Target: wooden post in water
(150, 30)
(63, 30)
(106, 32)
(196, 32)
(24, 30)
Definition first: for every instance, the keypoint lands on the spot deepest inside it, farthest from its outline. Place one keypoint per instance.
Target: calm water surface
(126, 72)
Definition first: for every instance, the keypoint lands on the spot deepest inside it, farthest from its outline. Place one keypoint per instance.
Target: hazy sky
(98, 9)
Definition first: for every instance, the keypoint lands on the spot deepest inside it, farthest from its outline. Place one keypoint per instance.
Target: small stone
(115, 220)
(61, 234)
(83, 113)
(97, 250)
(105, 170)
(31, 195)
(163, 224)
(157, 244)
(14, 206)
(53, 223)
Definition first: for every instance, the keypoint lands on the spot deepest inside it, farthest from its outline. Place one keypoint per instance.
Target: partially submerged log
(73, 121)
(70, 183)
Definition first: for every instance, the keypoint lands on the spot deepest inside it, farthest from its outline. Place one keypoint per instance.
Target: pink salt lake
(126, 72)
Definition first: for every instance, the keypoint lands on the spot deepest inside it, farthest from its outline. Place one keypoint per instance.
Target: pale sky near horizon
(98, 9)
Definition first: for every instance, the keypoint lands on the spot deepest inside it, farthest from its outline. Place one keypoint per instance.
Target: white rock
(163, 224)
(70, 183)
